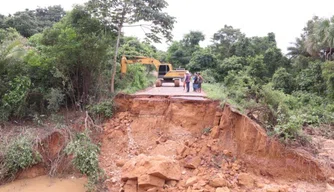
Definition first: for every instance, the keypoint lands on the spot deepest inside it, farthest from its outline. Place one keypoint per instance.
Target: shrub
(15, 100)
(55, 98)
(101, 110)
(86, 158)
(282, 80)
(19, 154)
(135, 79)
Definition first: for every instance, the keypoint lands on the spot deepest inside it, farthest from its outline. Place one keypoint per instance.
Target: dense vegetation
(66, 65)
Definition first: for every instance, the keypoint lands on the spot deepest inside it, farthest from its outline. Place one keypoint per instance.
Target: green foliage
(30, 22)
(102, 109)
(224, 40)
(328, 73)
(201, 60)
(209, 75)
(311, 78)
(180, 53)
(135, 79)
(283, 80)
(233, 63)
(257, 68)
(131, 46)
(19, 154)
(86, 158)
(14, 100)
(55, 98)
(118, 12)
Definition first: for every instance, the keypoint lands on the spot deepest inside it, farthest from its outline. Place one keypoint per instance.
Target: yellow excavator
(165, 70)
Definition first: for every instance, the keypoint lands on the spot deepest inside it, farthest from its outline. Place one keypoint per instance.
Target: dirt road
(168, 89)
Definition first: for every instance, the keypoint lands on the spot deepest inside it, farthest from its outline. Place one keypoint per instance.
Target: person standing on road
(187, 80)
(184, 81)
(195, 83)
(200, 81)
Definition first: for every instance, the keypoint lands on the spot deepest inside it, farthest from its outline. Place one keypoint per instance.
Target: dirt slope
(215, 149)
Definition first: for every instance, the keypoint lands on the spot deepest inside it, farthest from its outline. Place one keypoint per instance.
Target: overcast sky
(285, 18)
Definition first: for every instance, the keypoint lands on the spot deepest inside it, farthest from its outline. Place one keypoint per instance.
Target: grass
(217, 91)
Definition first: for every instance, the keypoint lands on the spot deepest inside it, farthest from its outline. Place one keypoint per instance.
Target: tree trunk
(112, 84)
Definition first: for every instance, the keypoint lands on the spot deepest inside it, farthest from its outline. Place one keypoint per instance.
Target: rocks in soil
(130, 185)
(159, 166)
(192, 162)
(149, 173)
(222, 189)
(214, 132)
(191, 181)
(146, 181)
(245, 179)
(120, 163)
(218, 182)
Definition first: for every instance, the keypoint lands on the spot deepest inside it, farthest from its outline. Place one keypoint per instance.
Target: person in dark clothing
(187, 80)
(195, 84)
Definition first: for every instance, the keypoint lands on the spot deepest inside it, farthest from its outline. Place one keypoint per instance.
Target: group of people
(196, 79)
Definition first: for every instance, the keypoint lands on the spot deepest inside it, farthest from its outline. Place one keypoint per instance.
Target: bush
(19, 154)
(55, 98)
(102, 110)
(282, 80)
(15, 100)
(86, 158)
(135, 79)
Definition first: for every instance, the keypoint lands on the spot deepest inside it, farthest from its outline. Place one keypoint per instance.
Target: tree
(180, 53)
(192, 39)
(30, 22)
(273, 59)
(298, 48)
(224, 39)
(76, 50)
(233, 63)
(328, 73)
(118, 13)
(257, 68)
(2, 22)
(283, 80)
(320, 37)
(201, 60)
(177, 55)
(24, 22)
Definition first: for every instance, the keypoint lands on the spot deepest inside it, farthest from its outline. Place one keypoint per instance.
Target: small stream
(46, 184)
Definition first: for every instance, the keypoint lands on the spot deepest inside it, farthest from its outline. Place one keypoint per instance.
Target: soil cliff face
(233, 131)
(247, 140)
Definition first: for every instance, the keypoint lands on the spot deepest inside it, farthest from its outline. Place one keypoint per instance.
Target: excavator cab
(163, 69)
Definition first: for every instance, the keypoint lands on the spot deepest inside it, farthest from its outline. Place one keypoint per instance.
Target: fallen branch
(90, 123)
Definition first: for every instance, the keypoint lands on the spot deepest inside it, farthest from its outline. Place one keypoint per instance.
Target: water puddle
(46, 184)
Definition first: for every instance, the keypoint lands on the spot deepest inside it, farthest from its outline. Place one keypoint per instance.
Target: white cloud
(285, 18)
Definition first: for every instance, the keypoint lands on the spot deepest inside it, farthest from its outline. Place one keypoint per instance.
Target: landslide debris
(155, 145)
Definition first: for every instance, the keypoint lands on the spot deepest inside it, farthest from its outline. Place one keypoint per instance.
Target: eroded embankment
(235, 132)
(49, 145)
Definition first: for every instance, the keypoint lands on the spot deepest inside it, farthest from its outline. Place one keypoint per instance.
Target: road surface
(168, 89)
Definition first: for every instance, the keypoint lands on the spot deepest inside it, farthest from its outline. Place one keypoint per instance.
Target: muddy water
(45, 184)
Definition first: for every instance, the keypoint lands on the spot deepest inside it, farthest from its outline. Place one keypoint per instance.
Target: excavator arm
(140, 60)
(167, 72)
